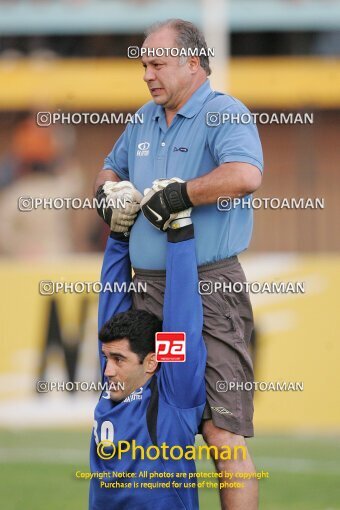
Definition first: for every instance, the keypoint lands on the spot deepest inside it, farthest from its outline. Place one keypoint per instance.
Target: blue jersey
(169, 407)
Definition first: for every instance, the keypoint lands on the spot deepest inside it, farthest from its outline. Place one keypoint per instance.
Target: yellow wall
(299, 341)
(116, 84)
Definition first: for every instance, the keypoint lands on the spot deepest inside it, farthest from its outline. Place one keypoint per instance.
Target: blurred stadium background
(70, 56)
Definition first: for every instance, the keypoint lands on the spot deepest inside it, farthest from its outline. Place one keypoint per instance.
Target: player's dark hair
(188, 36)
(138, 326)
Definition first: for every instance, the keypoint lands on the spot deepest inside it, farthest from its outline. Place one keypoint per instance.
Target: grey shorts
(227, 329)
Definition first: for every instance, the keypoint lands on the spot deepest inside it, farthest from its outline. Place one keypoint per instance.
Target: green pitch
(37, 470)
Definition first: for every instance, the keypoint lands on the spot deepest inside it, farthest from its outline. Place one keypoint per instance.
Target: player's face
(124, 366)
(169, 79)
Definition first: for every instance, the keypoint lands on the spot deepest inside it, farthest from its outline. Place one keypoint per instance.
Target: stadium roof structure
(28, 17)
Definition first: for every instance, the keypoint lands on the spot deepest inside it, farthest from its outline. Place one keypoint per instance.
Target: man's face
(123, 366)
(167, 77)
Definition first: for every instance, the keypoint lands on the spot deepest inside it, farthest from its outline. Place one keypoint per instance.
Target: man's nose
(110, 369)
(149, 75)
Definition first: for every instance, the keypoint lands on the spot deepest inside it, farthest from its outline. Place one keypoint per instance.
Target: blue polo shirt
(188, 148)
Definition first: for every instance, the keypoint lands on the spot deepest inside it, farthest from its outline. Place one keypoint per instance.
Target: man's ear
(150, 363)
(193, 63)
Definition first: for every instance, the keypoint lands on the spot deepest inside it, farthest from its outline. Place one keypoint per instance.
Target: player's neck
(171, 112)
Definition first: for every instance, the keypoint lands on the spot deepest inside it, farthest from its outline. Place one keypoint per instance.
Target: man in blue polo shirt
(181, 137)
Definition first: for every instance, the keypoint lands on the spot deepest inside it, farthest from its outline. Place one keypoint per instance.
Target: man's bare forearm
(229, 179)
(103, 176)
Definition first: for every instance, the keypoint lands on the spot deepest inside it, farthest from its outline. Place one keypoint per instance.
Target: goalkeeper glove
(166, 202)
(118, 204)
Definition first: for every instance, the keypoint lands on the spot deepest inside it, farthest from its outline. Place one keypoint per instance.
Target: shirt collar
(192, 106)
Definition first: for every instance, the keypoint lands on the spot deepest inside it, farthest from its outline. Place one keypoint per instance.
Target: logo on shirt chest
(135, 395)
(143, 149)
(181, 149)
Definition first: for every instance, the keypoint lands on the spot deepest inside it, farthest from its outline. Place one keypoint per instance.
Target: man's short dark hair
(187, 36)
(138, 326)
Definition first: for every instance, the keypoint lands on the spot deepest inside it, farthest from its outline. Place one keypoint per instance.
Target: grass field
(37, 470)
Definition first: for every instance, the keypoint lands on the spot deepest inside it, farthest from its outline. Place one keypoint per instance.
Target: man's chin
(161, 100)
(117, 396)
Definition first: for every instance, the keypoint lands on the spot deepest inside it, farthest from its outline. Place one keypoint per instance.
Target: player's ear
(150, 363)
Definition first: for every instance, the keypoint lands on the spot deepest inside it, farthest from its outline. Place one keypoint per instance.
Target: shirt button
(163, 144)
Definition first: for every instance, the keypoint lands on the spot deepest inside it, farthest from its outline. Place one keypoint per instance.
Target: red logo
(170, 346)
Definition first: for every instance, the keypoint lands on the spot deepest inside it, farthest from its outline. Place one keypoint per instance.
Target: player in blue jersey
(159, 403)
